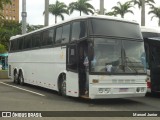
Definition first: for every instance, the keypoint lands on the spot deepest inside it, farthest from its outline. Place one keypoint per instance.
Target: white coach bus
(92, 57)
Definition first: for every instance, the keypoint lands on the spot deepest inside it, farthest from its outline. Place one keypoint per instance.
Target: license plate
(123, 90)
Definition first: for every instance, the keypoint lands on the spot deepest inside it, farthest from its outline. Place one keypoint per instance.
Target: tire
(21, 79)
(63, 86)
(15, 79)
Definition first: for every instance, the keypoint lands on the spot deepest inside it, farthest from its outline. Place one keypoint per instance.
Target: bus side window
(36, 40)
(66, 33)
(14, 45)
(45, 38)
(50, 37)
(27, 42)
(20, 44)
(58, 39)
(78, 30)
(72, 58)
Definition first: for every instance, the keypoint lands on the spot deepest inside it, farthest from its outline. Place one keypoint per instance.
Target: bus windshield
(118, 56)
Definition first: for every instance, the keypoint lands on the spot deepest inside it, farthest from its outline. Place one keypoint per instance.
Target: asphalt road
(31, 98)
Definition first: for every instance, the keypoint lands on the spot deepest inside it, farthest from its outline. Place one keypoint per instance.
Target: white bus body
(45, 66)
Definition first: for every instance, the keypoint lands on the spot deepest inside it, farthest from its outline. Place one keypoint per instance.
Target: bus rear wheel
(63, 86)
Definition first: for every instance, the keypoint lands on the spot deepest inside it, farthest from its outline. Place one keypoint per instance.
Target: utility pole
(143, 13)
(24, 16)
(101, 7)
(46, 13)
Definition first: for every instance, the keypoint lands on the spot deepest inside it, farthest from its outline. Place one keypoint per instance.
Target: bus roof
(150, 29)
(77, 18)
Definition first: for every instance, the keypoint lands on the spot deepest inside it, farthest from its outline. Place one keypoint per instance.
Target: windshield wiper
(128, 61)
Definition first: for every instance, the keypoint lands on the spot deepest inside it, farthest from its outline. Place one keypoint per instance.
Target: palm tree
(122, 9)
(156, 13)
(112, 13)
(81, 6)
(4, 2)
(58, 9)
(141, 4)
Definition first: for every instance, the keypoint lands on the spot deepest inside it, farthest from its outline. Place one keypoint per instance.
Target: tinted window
(51, 37)
(20, 44)
(58, 35)
(45, 38)
(13, 45)
(66, 33)
(78, 30)
(36, 40)
(27, 42)
(114, 28)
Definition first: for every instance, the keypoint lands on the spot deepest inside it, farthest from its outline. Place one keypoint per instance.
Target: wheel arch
(60, 80)
(20, 71)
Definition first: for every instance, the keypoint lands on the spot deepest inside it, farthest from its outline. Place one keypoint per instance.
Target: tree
(58, 9)
(9, 28)
(4, 2)
(156, 13)
(81, 6)
(2, 49)
(111, 13)
(141, 4)
(122, 9)
(31, 28)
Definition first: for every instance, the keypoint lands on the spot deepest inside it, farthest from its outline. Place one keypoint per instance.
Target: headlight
(140, 89)
(104, 90)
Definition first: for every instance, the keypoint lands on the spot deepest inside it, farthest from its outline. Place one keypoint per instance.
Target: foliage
(31, 28)
(8, 29)
(139, 2)
(122, 9)
(111, 13)
(58, 9)
(156, 13)
(81, 6)
(2, 49)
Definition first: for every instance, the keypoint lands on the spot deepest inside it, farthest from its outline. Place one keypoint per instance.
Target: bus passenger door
(72, 82)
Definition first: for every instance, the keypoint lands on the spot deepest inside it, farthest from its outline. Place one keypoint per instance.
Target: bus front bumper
(120, 91)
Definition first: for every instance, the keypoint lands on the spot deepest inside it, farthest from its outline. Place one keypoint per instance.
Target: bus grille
(123, 81)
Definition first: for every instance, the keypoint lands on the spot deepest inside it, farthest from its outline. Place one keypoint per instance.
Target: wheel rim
(21, 79)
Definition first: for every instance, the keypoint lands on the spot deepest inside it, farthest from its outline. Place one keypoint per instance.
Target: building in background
(11, 11)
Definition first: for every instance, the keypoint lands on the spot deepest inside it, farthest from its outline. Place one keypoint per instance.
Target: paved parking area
(31, 98)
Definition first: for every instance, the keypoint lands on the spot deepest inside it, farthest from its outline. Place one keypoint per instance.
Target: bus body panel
(38, 66)
(117, 86)
(72, 84)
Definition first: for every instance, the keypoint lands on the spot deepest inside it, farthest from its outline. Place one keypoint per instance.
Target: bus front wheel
(63, 86)
(15, 79)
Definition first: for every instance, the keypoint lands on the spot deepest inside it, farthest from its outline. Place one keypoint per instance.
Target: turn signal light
(95, 81)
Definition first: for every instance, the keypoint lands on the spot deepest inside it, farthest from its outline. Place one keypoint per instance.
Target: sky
(35, 9)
